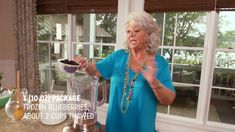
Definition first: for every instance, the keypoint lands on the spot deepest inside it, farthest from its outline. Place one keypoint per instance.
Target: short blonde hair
(147, 23)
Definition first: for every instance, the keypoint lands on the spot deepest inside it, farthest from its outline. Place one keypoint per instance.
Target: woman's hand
(83, 62)
(150, 72)
(164, 95)
(88, 67)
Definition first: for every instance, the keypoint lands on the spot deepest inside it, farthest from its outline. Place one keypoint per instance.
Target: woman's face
(136, 37)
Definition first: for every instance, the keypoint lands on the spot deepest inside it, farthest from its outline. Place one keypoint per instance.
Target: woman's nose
(132, 33)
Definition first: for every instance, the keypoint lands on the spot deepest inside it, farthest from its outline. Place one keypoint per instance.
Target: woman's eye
(128, 31)
(137, 30)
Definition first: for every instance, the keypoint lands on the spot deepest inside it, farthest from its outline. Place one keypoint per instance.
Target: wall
(7, 43)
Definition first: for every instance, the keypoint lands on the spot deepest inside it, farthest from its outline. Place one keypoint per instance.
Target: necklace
(126, 97)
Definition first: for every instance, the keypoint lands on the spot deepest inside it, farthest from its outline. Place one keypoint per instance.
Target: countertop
(27, 125)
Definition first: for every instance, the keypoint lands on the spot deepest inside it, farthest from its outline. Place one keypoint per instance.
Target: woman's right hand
(83, 62)
(87, 66)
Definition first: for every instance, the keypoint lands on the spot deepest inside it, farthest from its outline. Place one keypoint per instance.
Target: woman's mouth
(132, 41)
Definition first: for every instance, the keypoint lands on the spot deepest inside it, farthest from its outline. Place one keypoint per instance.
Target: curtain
(188, 5)
(76, 6)
(27, 59)
(178, 5)
(225, 5)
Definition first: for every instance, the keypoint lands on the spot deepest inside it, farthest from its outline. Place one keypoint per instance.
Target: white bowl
(68, 68)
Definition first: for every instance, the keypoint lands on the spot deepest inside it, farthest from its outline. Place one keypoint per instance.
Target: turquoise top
(141, 113)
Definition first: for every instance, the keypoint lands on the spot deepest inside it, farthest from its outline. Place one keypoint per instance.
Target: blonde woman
(139, 78)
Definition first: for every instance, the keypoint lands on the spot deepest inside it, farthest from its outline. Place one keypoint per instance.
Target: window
(92, 38)
(222, 104)
(97, 39)
(52, 41)
(203, 74)
(183, 35)
(69, 28)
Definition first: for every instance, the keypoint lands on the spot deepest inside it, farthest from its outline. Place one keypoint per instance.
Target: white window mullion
(123, 11)
(173, 52)
(92, 35)
(163, 32)
(49, 53)
(71, 35)
(207, 68)
(69, 46)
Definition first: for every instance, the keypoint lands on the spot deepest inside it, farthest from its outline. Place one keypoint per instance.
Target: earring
(149, 50)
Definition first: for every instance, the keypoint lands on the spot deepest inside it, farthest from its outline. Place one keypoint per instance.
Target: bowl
(4, 97)
(68, 66)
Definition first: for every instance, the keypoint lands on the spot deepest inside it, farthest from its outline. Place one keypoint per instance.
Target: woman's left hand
(150, 72)
(164, 95)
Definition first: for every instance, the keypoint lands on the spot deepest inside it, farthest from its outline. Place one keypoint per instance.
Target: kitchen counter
(30, 125)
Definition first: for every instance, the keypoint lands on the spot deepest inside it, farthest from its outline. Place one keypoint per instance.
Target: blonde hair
(147, 23)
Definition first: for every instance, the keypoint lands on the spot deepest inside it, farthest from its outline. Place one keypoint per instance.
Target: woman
(139, 78)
